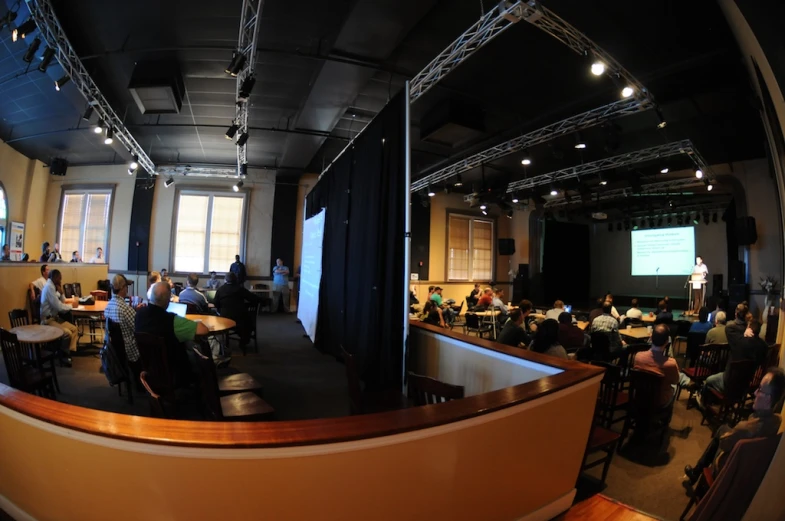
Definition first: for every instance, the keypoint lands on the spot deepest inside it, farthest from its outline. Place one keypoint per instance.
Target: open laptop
(568, 308)
(177, 308)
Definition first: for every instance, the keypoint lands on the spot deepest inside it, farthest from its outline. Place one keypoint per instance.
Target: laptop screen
(177, 308)
(568, 308)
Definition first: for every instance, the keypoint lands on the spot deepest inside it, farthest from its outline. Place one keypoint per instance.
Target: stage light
(526, 161)
(580, 143)
(483, 207)
(246, 87)
(237, 186)
(554, 191)
(662, 123)
(23, 30)
(169, 182)
(603, 182)
(99, 127)
(699, 173)
(710, 187)
(30, 53)
(459, 181)
(515, 197)
(664, 170)
(714, 217)
(236, 65)
(88, 113)
(670, 204)
(131, 171)
(232, 131)
(134, 162)
(244, 170)
(46, 59)
(109, 139)
(431, 193)
(484, 212)
(597, 68)
(626, 92)
(509, 214)
(242, 139)
(62, 81)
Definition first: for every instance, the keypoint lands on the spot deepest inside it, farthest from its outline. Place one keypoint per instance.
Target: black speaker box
(746, 232)
(506, 246)
(58, 166)
(716, 284)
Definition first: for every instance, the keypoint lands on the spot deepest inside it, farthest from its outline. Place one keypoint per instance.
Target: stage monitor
(311, 273)
(663, 251)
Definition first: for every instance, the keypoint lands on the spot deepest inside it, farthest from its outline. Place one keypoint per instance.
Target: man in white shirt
(99, 256)
(614, 312)
(699, 292)
(40, 282)
(52, 305)
(634, 312)
(558, 309)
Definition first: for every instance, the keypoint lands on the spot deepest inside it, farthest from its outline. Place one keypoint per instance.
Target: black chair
(710, 359)
(611, 398)
(117, 345)
(457, 321)
(68, 290)
(424, 390)
(600, 440)
(679, 333)
(252, 313)
(157, 404)
(772, 360)
(634, 322)
(644, 414)
(473, 325)
(600, 346)
(78, 289)
(694, 341)
(37, 355)
(155, 362)
(20, 375)
(627, 360)
(730, 402)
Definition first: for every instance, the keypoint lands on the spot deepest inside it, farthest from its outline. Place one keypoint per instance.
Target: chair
(155, 362)
(231, 383)
(253, 311)
(38, 356)
(457, 321)
(266, 301)
(600, 346)
(18, 317)
(634, 322)
(117, 344)
(710, 359)
(627, 360)
(644, 415)
(34, 298)
(731, 400)
(21, 376)
(245, 406)
(103, 285)
(679, 333)
(600, 440)
(68, 289)
(772, 360)
(424, 390)
(473, 325)
(100, 294)
(192, 309)
(611, 397)
(363, 401)
(694, 341)
(157, 407)
(78, 288)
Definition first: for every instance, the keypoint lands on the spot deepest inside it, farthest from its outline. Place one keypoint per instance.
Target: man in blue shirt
(703, 325)
(280, 285)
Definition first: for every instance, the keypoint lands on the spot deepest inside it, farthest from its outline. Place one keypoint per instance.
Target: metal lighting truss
(630, 158)
(54, 36)
(658, 188)
(566, 126)
(246, 44)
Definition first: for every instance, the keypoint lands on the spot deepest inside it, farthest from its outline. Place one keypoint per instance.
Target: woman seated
(432, 314)
(546, 340)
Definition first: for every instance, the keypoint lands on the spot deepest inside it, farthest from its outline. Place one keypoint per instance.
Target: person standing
(99, 256)
(238, 268)
(698, 288)
(280, 285)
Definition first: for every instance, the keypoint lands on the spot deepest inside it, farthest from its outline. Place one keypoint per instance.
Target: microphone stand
(657, 279)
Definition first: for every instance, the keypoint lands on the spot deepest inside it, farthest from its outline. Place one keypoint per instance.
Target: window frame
(85, 189)
(210, 191)
(470, 216)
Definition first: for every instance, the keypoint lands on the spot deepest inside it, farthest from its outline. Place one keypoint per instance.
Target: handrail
(303, 432)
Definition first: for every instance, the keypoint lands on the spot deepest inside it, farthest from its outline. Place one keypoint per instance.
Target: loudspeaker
(746, 232)
(506, 246)
(58, 166)
(736, 269)
(737, 293)
(716, 284)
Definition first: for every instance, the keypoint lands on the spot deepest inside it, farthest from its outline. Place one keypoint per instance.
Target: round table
(97, 308)
(214, 323)
(37, 334)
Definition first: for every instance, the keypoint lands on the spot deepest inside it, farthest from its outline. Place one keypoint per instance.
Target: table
(37, 334)
(85, 312)
(583, 324)
(97, 308)
(639, 333)
(492, 314)
(214, 323)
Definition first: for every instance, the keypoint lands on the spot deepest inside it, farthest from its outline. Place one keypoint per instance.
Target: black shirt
(157, 321)
(433, 318)
(238, 268)
(231, 300)
(513, 335)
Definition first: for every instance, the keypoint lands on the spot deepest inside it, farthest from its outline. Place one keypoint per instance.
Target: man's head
(634, 303)
(430, 289)
(56, 277)
(119, 286)
(662, 305)
(666, 299)
(755, 326)
(772, 387)
(153, 278)
(516, 316)
(45, 271)
(609, 297)
(565, 318)
(660, 337)
(500, 293)
(558, 304)
(279, 262)
(698, 260)
(45, 247)
(476, 286)
(162, 294)
(99, 252)
(57, 246)
(741, 311)
(164, 271)
(212, 274)
(703, 314)
(74, 255)
(488, 291)
(526, 307)
(6, 249)
(231, 278)
(607, 307)
(236, 258)
(192, 280)
(720, 318)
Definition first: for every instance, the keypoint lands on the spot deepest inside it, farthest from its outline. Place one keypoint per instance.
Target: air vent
(157, 87)
(453, 123)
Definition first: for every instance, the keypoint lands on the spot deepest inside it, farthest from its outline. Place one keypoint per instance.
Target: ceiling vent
(453, 123)
(157, 87)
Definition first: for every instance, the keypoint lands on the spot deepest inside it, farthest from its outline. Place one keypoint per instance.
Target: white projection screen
(311, 273)
(663, 251)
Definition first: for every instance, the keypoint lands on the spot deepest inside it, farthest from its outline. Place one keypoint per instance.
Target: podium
(697, 284)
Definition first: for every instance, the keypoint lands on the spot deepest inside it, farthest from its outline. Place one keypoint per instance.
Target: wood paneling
(602, 508)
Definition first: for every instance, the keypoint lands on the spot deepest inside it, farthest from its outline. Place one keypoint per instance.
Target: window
(208, 231)
(469, 248)
(84, 221)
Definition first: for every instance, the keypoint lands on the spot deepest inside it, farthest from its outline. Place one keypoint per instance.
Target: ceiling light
(431, 193)
(46, 59)
(62, 81)
(30, 53)
(515, 198)
(134, 162)
(526, 161)
(23, 30)
(580, 145)
(579, 142)
(246, 87)
(244, 170)
(664, 170)
(169, 182)
(238, 185)
(662, 123)
(483, 207)
(484, 212)
(131, 171)
(626, 92)
(597, 68)
(710, 187)
(554, 191)
(109, 139)
(603, 182)
(236, 65)
(509, 214)
(88, 113)
(670, 204)
(459, 181)
(699, 173)
(242, 139)
(232, 131)
(99, 127)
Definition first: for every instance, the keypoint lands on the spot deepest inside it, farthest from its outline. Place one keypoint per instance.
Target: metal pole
(407, 235)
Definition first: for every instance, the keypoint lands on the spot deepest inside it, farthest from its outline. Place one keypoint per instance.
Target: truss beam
(658, 188)
(247, 43)
(54, 36)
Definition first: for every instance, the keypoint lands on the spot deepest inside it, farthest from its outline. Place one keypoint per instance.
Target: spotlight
(236, 65)
(238, 185)
(714, 217)
(109, 136)
(580, 145)
(554, 191)
(246, 87)
(664, 170)
(526, 161)
(242, 139)
(134, 162)
(484, 212)
(483, 207)
(626, 92)
(597, 68)
(99, 127)
(23, 30)
(662, 123)
(46, 59)
(670, 204)
(699, 173)
(88, 113)
(710, 187)
(169, 182)
(232, 131)
(244, 170)
(459, 181)
(30, 54)
(131, 171)
(62, 81)
(431, 193)
(515, 197)
(509, 214)
(603, 182)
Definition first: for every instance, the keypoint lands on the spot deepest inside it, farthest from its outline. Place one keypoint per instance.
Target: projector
(600, 216)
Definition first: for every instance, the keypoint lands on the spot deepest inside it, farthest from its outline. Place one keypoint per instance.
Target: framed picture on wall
(17, 240)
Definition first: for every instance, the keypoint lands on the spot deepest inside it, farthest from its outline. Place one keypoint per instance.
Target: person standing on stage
(280, 286)
(699, 292)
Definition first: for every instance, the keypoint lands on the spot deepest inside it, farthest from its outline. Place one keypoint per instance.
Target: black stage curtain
(361, 294)
(141, 215)
(566, 266)
(284, 218)
(421, 238)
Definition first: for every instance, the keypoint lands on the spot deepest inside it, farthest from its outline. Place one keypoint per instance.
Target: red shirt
(660, 364)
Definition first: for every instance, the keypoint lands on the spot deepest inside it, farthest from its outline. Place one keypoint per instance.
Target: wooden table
(37, 334)
(214, 323)
(83, 312)
(583, 324)
(639, 333)
(96, 309)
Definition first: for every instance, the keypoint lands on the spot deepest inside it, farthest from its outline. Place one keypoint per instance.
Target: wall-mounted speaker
(506, 246)
(58, 166)
(746, 232)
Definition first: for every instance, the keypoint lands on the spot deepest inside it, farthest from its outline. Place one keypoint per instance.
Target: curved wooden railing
(303, 432)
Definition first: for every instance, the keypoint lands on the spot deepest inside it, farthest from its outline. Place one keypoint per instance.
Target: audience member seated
(656, 360)
(75, 257)
(605, 323)
(231, 301)
(152, 280)
(668, 306)
(734, 331)
(571, 337)
(663, 315)
(44, 253)
(26, 257)
(513, 333)
(529, 322)
(486, 300)
(546, 340)
(473, 297)
(614, 313)
(6, 253)
(432, 314)
(447, 312)
(191, 295)
(118, 311)
(498, 302)
(213, 282)
(634, 312)
(703, 325)
(55, 312)
(716, 335)
(749, 347)
(55, 255)
(597, 311)
(99, 256)
(40, 282)
(174, 329)
(763, 423)
(555, 313)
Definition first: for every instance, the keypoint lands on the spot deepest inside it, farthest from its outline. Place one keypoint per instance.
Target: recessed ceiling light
(664, 170)
(526, 161)
(603, 182)
(580, 145)
(627, 92)
(699, 173)
(597, 68)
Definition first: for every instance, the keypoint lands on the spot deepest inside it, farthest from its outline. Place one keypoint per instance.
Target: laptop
(568, 308)
(177, 308)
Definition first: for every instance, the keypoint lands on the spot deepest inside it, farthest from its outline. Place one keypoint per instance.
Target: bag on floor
(111, 365)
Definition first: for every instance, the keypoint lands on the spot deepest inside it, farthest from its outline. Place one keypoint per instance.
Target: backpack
(111, 365)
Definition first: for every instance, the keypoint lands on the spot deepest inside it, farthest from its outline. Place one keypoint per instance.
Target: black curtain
(141, 215)
(361, 292)
(284, 218)
(566, 267)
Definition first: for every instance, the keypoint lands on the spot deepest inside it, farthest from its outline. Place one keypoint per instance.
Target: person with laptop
(558, 309)
(191, 295)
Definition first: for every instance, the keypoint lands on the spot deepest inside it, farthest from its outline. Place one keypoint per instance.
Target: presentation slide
(663, 251)
(311, 273)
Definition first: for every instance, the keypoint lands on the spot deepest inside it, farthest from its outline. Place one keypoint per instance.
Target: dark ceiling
(325, 68)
